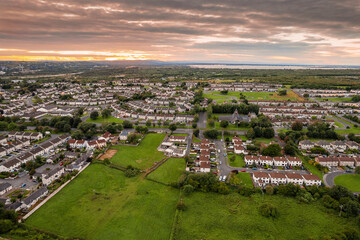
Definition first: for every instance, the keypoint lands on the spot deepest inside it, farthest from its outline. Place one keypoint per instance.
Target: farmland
(169, 172)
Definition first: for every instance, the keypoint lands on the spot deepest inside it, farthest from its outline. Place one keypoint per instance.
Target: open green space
(169, 172)
(310, 167)
(213, 216)
(350, 181)
(239, 161)
(245, 179)
(101, 203)
(264, 140)
(258, 95)
(110, 119)
(355, 130)
(216, 97)
(142, 156)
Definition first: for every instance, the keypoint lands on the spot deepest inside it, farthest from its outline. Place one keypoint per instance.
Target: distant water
(259, 66)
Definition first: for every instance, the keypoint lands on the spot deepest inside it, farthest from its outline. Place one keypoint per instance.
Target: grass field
(102, 204)
(239, 161)
(350, 181)
(257, 96)
(142, 156)
(169, 172)
(213, 216)
(111, 119)
(245, 179)
(310, 167)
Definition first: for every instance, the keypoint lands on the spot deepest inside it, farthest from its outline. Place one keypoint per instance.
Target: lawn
(245, 179)
(141, 156)
(261, 95)
(101, 203)
(213, 216)
(170, 171)
(239, 161)
(230, 127)
(265, 140)
(355, 130)
(216, 97)
(110, 119)
(310, 167)
(350, 181)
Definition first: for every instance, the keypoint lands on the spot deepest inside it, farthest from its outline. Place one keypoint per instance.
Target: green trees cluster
(260, 127)
(230, 108)
(272, 150)
(268, 210)
(212, 134)
(204, 182)
(320, 129)
(85, 129)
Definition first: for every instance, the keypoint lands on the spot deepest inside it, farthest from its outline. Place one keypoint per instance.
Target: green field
(239, 161)
(245, 179)
(350, 181)
(257, 95)
(110, 119)
(169, 172)
(142, 156)
(213, 216)
(102, 204)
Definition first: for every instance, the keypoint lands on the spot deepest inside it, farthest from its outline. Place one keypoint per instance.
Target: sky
(318, 32)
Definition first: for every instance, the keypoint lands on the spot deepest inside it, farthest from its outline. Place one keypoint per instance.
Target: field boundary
(52, 194)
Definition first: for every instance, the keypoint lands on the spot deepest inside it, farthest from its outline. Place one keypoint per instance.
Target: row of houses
(123, 113)
(287, 122)
(243, 87)
(32, 136)
(13, 146)
(41, 149)
(273, 161)
(263, 179)
(205, 149)
(333, 161)
(339, 146)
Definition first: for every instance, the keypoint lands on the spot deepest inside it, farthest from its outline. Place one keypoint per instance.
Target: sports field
(142, 156)
(350, 181)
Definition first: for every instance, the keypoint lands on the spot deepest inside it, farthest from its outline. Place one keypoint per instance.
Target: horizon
(246, 32)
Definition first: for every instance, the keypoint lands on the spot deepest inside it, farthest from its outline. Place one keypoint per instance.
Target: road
(329, 177)
(202, 123)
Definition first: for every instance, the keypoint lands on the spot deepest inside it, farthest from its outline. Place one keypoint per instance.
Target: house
(294, 161)
(266, 160)
(352, 145)
(250, 159)
(280, 161)
(339, 146)
(277, 178)
(327, 161)
(5, 187)
(123, 135)
(310, 180)
(261, 178)
(346, 161)
(325, 145)
(52, 175)
(306, 144)
(205, 166)
(179, 139)
(34, 197)
(294, 178)
(239, 149)
(107, 136)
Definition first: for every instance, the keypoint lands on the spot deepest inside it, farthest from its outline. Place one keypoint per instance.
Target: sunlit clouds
(244, 31)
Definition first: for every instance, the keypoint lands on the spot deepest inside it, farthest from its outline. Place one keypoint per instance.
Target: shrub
(188, 189)
(268, 210)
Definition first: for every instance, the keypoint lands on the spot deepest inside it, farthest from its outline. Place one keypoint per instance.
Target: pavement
(329, 177)
(202, 123)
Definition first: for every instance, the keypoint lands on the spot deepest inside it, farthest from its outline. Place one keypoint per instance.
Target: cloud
(253, 30)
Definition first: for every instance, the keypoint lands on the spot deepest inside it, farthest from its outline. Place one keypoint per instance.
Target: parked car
(243, 170)
(254, 168)
(23, 185)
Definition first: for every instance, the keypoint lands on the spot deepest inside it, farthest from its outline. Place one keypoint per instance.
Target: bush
(268, 210)
(188, 189)
(131, 171)
(180, 205)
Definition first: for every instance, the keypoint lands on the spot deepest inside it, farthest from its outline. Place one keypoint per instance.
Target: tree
(272, 150)
(250, 133)
(196, 132)
(232, 158)
(194, 125)
(127, 124)
(297, 126)
(212, 134)
(94, 115)
(106, 113)
(172, 127)
(211, 123)
(77, 135)
(268, 132)
(357, 170)
(289, 149)
(282, 92)
(148, 123)
(224, 123)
